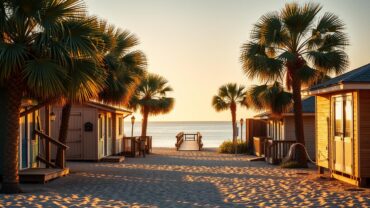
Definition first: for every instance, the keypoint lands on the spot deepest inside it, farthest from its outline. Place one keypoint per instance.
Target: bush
(229, 148)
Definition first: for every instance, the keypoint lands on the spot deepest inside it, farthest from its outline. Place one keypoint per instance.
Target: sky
(195, 44)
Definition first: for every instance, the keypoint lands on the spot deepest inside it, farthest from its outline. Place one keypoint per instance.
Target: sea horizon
(164, 132)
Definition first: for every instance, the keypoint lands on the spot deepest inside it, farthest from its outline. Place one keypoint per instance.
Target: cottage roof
(308, 107)
(107, 107)
(357, 76)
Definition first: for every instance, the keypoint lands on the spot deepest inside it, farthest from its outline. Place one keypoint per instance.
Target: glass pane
(349, 117)
(338, 128)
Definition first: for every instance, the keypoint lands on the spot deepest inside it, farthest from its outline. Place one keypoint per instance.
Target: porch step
(41, 175)
(113, 159)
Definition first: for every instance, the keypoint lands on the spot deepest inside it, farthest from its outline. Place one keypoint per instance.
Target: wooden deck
(189, 145)
(41, 175)
(189, 142)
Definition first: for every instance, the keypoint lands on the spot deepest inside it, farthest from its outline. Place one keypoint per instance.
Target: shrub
(229, 148)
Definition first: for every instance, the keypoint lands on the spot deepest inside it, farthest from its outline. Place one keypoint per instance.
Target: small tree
(151, 98)
(227, 98)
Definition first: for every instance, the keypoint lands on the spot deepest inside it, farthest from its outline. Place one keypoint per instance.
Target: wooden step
(41, 175)
(113, 159)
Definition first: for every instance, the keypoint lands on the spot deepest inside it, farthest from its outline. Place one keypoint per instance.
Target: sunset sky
(195, 44)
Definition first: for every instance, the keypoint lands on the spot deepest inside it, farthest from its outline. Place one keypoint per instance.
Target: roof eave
(339, 87)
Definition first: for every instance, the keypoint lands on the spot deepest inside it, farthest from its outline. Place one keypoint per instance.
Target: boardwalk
(189, 145)
(170, 178)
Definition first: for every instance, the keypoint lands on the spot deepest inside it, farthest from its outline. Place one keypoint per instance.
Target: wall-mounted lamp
(52, 116)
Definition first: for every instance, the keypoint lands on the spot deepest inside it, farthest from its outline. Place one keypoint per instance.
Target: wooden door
(74, 138)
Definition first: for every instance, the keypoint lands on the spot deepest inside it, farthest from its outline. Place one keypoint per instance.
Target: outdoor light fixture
(52, 116)
(132, 125)
(241, 128)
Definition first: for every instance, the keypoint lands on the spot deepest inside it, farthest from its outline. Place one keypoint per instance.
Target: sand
(187, 179)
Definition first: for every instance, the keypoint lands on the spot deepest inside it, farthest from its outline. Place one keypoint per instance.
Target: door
(343, 134)
(101, 132)
(74, 137)
(108, 142)
(23, 143)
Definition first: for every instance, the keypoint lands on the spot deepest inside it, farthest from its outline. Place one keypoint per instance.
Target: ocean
(163, 133)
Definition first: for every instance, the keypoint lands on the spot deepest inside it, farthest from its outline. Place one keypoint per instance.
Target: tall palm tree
(125, 65)
(116, 77)
(151, 98)
(227, 98)
(289, 43)
(86, 77)
(36, 45)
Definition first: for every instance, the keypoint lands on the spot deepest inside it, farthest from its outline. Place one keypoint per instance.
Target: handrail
(199, 139)
(45, 161)
(276, 150)
(48, 138)
(179, 140)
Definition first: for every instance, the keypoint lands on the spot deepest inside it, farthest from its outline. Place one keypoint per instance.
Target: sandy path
(187, 179)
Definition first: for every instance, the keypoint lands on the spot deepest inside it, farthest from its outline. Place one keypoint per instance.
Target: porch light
(52, 116)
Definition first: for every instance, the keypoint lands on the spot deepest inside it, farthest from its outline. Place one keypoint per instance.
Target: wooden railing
(179, 140)
(259, 145)
(181, 137)
(199, 139)
(131, 145)
(276, 150)
(46, 159)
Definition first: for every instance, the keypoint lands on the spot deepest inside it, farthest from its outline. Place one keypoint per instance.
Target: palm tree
(289, 43)
(227, 98)
(86, 77)
(125, 66)
(113, 80)
(151, 98)
(36, 46)
(272, 97)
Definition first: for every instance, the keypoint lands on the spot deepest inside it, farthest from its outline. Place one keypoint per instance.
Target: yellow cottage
(343, 126)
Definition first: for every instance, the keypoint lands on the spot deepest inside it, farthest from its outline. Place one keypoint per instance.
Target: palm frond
(335, 61)
(151, 94)
(44, 78)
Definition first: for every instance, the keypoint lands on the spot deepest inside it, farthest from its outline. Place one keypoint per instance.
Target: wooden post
(320, 170)
(47, 132)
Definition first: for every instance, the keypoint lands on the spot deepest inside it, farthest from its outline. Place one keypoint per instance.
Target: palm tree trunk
(233, 120)
(63, 133)
(10, 149)
(144, 125)
(298, 119)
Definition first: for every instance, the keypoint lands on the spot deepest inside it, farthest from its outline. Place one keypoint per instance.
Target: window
(343, 116)
(120, 125)
(100, 123)
(109, 127)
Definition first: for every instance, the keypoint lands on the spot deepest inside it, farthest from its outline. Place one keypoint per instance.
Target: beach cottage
(95, 130)
(281, 131)
(343, 126)
(35, 162)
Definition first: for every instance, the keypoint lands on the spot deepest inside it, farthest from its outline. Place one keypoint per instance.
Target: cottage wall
(364, 136)
(322, 130)
(83, 144)
(309, 132)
